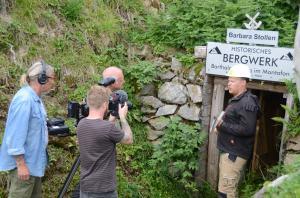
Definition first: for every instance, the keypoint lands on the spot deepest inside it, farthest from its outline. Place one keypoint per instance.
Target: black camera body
(56, 126)
(116, 98)
(78, 111)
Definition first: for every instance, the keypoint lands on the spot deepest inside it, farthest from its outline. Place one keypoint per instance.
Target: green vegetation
(293, 125)
(186, 24)
(177, 154)
(290, 187)
(82, 37)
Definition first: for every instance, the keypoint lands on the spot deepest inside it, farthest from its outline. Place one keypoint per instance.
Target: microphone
(107, 81)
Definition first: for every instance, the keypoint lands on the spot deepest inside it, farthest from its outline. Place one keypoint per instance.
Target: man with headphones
(23, 151)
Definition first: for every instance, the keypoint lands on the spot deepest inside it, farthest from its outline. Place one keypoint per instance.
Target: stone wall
(180, 93)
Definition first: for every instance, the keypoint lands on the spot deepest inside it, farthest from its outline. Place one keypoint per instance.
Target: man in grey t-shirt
(97, 145)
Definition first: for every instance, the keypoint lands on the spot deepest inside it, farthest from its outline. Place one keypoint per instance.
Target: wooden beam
(258, 85)
(213, 152)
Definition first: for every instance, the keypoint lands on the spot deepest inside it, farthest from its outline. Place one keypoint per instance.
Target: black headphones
(43, 78)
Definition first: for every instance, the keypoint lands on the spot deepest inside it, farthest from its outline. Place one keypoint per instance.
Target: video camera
(56, 126)
(79, 111)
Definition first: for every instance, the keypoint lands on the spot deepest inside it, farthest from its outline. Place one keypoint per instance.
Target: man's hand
(128, 138)
(112, 118)
(219, 122)
(23, 171)
(123, 111)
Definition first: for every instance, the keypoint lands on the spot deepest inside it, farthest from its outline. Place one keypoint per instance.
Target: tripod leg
(69, 178)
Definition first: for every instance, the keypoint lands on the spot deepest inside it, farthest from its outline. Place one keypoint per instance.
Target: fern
(293, 124)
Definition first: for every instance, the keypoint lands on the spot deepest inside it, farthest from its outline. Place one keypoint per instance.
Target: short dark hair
(246, 79)
(97, 96)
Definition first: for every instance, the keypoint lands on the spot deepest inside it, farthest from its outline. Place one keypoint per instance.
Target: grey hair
(34, 71)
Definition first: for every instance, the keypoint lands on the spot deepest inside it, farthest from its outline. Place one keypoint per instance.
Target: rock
(159, 62)
(200, 52)
(276, 182)
(166, 110)
(203, 72)
(189, 112)
(147, 109)
(146, 52)
(173, 93)
(195, 93)
(192, 75)
(157, 142)
(294, 144)
(148, 90)
(295, 139)
(151, 101)
(167, 76)
(153, 134)
(176, 66)
(176, 80)
(145, 119)
(180, 80)
(290, 158)
(159, 123)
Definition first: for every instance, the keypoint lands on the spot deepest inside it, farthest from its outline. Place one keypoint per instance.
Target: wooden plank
(207, 92)
(258, 85)
(289, 103)
(213, 152)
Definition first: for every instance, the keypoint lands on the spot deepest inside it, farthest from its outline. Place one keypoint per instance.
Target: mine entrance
(268, 147)
(268, 132)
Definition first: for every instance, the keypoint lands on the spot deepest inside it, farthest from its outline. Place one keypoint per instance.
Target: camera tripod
(69, 178)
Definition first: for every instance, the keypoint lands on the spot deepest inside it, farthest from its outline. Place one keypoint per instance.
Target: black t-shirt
(97, 145)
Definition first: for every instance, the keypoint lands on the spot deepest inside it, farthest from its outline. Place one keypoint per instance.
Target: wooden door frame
(217, 106)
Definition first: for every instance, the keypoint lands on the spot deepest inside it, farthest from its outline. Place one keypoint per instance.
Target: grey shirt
(97, 145)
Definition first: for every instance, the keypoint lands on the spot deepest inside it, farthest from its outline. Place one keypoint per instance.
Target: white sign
(252, 36)
(266, 63)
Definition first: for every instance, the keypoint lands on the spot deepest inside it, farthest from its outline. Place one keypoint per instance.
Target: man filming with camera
(97, 145)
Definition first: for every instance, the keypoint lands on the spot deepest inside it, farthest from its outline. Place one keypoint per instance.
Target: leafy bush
(178, 153)
(188, 60)
(72, 9)
(293, 124)
(140, 74)
(188, 23)
(251, 184)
